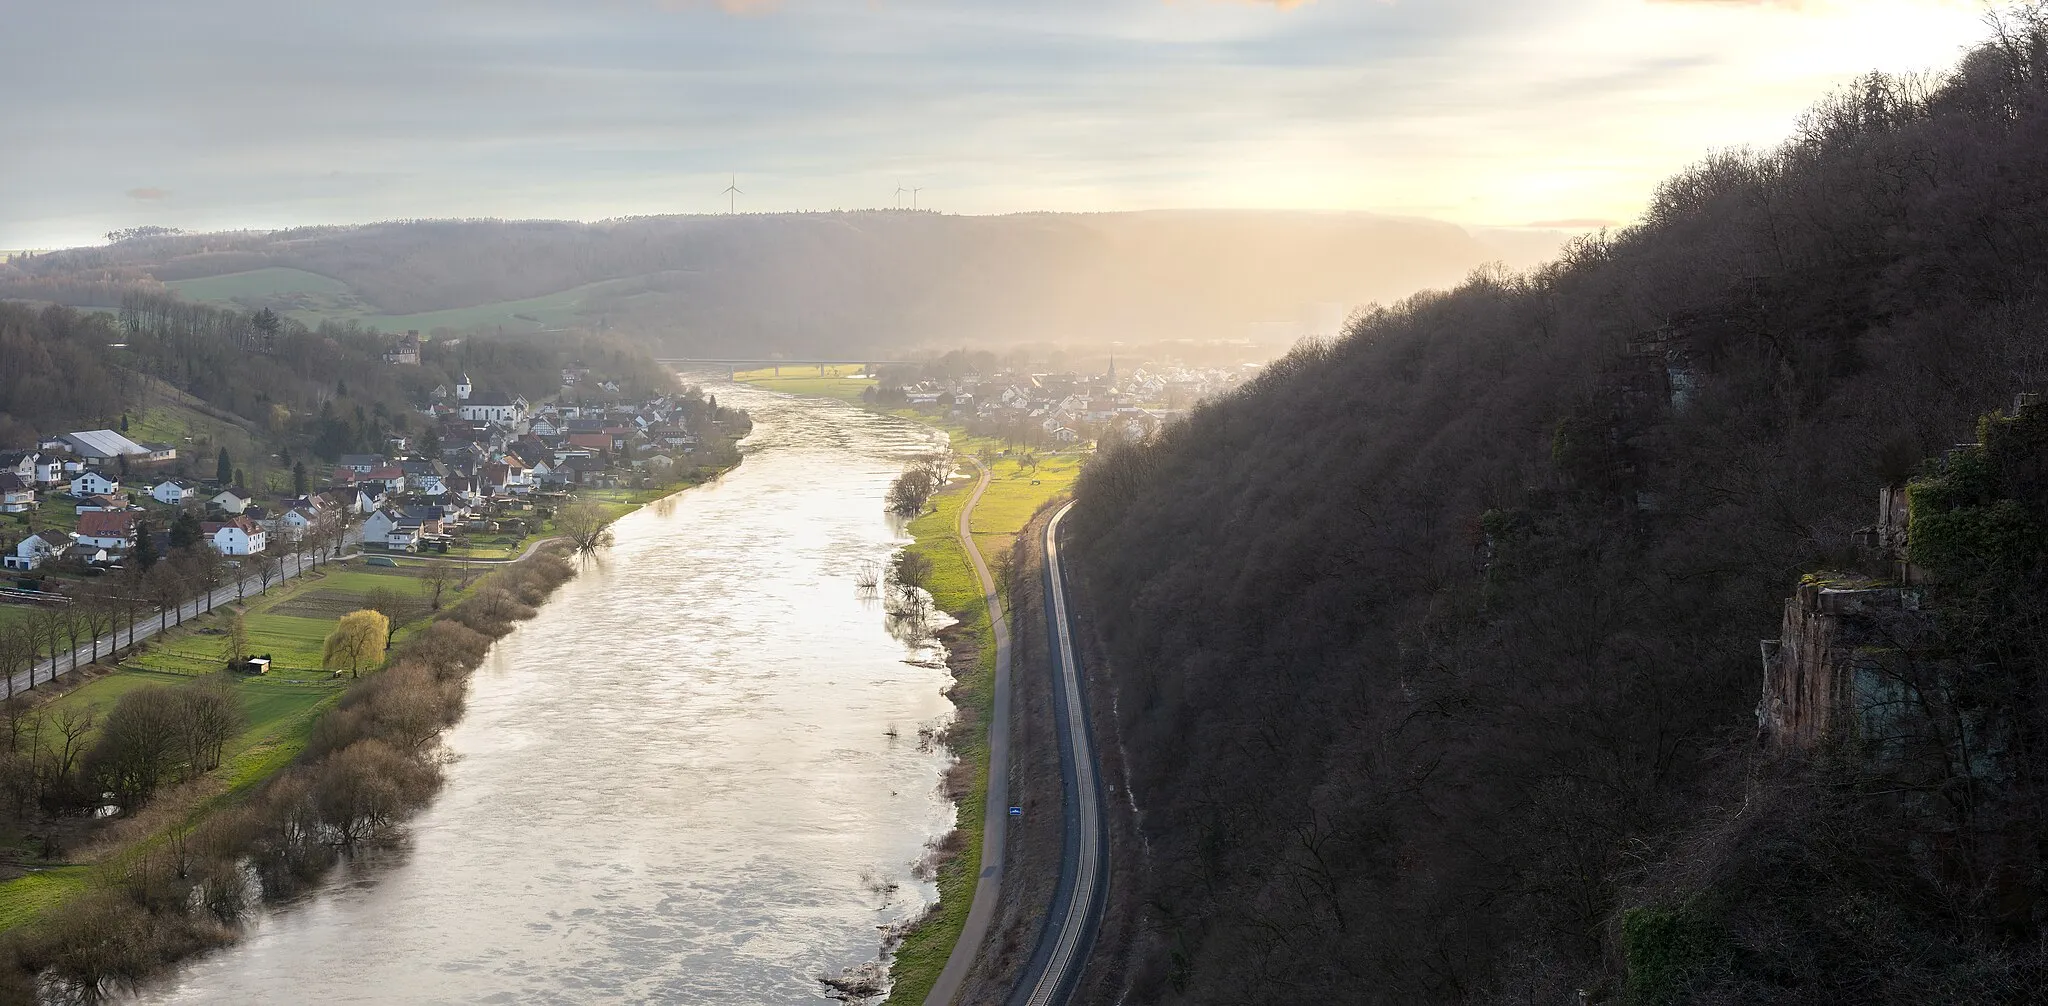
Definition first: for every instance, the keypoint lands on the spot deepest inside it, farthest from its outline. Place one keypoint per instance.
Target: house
(590, 441)
(90, 555)
(101, 503)
(428, 478)
(361, 464)
(494, 407)
(407, 352)
(102, 446)
(544, 426)
(392, 476)
(92, 483)
(293, 523)
(32, 550)
(113, 530)
(22, 463)
(172, 492)
(232, 501)
(1065, 435)
(17, 494)
(393, 530)
(159, 453)
(235, 536)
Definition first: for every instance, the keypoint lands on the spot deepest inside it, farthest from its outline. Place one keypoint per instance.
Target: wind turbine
(913, 197)
(900, 190)
(732, 195)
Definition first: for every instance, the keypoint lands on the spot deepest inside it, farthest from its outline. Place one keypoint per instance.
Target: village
(1062, 409)
(486, 471)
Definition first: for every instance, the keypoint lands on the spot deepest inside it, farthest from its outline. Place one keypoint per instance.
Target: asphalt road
(150, 624)
(1076, 912)
(996, 820)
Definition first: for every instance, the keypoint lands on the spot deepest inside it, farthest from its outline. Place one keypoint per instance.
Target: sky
(227, 114)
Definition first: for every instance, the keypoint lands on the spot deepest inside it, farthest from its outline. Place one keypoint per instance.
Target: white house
(293, 523)
(112, 530)
(35, 548)
(240, 536)
(494, 407)
(172, 492)
(17, 494)
(232, 501)
(91, 483)
(393, 530)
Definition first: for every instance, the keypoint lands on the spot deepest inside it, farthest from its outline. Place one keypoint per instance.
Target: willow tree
(356, 642)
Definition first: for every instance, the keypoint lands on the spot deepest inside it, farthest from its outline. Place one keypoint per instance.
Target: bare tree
(586, 525)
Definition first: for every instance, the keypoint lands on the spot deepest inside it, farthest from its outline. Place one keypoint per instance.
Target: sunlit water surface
(693, 778)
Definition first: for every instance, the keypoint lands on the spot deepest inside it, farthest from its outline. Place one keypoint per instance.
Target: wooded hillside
(1436, 649)
(832, 283)
(322, 391)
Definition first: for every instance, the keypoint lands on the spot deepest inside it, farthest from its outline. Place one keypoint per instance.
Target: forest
(760, 284)
(1434, 650)
(318, 392)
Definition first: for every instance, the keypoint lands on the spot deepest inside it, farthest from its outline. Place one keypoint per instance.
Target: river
(694, 777)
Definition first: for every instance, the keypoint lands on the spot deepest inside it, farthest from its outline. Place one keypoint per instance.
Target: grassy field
(1004, 509)
(555, 310)
(956, 590)
(260, 286)
(291, 622)
(312, 298)
(826, 381)
(25, 897)
(1015, 492)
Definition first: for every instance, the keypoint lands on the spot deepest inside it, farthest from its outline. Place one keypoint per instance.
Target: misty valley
(1243, 502)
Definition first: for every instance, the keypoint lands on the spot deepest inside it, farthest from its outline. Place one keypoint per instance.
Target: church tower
(462, 388)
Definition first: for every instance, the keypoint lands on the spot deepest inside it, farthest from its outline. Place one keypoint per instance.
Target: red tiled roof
(106, 523)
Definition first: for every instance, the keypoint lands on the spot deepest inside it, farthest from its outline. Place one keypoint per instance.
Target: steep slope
(1435, 650)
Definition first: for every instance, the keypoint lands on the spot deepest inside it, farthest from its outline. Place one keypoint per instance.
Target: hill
(258, 383)
(806, 283)
(1434, 652)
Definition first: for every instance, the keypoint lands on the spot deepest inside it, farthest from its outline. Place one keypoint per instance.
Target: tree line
(371, 762)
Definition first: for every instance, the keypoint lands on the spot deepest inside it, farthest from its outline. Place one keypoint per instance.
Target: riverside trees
(586, 525)
(913, 489)
(358, 641)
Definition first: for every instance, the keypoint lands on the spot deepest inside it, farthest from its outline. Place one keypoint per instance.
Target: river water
(693, 778)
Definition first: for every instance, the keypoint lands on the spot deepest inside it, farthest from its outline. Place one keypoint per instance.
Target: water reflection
(686, 781)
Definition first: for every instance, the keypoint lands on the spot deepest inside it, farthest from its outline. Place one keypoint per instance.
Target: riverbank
(315, 783)
(1020, 485)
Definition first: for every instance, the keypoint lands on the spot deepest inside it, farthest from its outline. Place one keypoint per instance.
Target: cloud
(150, 194)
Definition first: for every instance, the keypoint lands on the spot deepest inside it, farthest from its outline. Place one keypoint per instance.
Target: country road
(1076, 912)
(154, 622)
(995, 821)
(150, 625)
